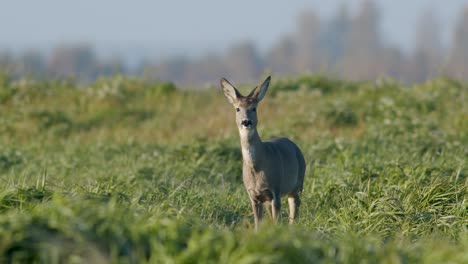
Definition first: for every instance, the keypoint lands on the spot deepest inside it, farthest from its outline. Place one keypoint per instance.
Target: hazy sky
(162, 28)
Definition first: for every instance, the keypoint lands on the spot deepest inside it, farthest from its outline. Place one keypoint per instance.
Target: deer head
(245, 106)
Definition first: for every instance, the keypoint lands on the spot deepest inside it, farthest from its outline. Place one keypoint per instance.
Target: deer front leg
(275, 207)
(258, 212)
(294, 201)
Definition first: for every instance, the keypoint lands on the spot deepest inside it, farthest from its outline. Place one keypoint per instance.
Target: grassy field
(128, 171)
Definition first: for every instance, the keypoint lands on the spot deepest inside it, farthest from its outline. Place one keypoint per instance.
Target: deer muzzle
(246, 123)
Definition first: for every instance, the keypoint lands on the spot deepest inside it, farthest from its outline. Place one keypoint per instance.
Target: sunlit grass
(139, 172)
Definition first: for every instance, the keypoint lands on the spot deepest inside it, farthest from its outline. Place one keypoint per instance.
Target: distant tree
(280, 59)
(172, 69)
(308, 56)
(30, 63)
(393, 63)
(206, 70)
(6, 61)
(427, 56)
(334, 36)
(111, 66)
(362, 56)
(458, 62)
(73, 61)
(243, 62)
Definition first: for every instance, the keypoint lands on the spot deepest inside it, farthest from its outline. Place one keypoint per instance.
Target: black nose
(246, 123)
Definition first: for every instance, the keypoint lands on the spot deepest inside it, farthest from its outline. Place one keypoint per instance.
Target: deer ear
(259, 92)
(231, 93)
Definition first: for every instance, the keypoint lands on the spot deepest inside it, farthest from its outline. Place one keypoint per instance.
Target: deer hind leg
(258, 212)
(294, 201)
(276, 207)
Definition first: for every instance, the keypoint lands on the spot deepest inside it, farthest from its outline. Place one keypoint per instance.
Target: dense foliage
(125, 170)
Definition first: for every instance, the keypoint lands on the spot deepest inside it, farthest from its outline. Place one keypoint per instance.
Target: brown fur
(272, 168)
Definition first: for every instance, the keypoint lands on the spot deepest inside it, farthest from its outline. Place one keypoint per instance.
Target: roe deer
(270, 169)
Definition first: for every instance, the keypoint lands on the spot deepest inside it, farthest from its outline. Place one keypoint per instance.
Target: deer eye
(237, 109)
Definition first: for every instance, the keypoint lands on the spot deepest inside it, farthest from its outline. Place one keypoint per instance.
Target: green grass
(128, 171)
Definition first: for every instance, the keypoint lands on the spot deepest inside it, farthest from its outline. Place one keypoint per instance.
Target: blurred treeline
(348, 45)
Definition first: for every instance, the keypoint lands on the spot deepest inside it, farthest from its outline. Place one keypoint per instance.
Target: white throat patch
(248, 150)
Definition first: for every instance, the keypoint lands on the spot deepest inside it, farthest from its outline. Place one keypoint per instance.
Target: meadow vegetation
(129, 171)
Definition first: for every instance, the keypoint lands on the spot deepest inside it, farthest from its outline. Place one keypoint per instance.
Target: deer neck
(251, 146)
